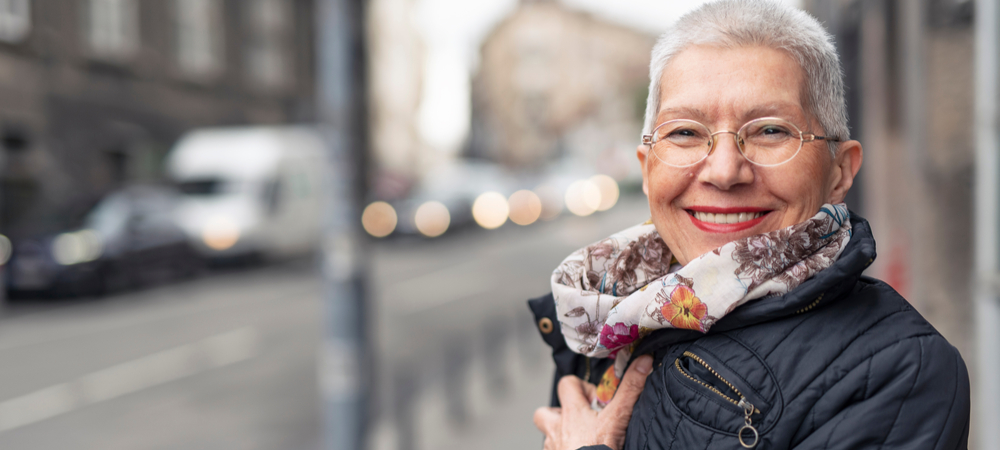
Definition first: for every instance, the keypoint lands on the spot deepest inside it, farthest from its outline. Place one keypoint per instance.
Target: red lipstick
(726, 227)
(727, 210)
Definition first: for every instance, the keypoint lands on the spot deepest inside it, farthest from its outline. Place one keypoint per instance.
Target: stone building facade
(554, 82)
(94, 92)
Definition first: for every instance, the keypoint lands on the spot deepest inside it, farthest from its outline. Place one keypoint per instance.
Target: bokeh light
(77, 247)
(6, 249)
(220, 233)
(552, 201)
(490, 210)
(379, 219)
(525, 207)
(583, 198)
(432, 219)
(609, 191)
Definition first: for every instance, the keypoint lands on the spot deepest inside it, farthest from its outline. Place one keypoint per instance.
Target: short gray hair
(738, 23)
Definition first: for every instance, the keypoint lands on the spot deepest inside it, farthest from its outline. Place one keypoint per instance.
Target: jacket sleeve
(913, 394)
(567, 362)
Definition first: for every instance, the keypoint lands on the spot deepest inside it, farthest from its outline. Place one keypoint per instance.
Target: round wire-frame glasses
(767, 141)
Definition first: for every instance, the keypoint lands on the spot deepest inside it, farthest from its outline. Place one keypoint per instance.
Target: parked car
(250, 191)
(128, 239)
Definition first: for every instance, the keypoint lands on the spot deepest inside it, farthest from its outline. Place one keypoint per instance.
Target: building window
(113, 28)
(199, 36)
(15, 20)
(268, 25)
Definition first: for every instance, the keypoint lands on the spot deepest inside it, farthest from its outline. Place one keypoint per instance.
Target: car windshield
(109, 216)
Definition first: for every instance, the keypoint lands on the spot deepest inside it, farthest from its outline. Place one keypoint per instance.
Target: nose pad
(714, 141)
(726, 169)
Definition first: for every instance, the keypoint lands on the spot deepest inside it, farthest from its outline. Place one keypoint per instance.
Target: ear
(641, 152)
(846, 164)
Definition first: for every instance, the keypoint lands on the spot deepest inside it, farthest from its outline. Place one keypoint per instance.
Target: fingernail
(644, 364)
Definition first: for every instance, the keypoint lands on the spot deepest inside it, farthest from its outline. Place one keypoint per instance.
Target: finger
(616, 415)
(590, 391)
(571, 393)
(630, 386)
(547, 420)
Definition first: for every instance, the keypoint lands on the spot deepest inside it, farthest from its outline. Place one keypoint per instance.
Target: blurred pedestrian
(746, 284)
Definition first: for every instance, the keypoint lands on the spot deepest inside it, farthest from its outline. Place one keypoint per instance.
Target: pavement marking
(12, 333)
(131, 376)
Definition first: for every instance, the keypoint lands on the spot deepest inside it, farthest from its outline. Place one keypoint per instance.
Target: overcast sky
(453, 30)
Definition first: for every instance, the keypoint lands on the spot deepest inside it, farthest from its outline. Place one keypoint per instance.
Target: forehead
(741, 83)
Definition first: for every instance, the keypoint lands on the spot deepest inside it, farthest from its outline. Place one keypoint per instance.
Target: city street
(228, 361)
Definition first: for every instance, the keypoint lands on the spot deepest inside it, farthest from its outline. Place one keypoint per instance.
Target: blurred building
(909, 68)
(94, 92)
(555, 82)
(396, 61)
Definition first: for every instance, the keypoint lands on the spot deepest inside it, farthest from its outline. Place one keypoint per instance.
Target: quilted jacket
(841, 362)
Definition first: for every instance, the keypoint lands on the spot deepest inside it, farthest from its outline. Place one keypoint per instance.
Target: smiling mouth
(726, 219)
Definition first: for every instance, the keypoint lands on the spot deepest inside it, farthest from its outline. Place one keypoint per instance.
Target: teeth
(726, 218)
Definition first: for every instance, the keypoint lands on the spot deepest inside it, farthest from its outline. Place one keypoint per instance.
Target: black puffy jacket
(841, 362)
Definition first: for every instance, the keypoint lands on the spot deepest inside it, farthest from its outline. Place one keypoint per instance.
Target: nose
(725, 166)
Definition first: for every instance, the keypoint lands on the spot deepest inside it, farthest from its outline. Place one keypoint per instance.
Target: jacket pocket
(718, 393)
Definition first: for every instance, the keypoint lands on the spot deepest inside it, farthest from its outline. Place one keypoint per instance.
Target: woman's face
(723, 89)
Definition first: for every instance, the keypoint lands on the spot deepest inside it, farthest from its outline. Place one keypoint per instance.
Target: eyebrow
(774, 109)
(785, 110)
(681, 113)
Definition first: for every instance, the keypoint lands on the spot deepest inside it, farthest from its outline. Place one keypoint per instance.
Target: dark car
(128, 239)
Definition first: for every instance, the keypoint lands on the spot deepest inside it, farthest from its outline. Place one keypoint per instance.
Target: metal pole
(911, 19)
(986, 382)
(5, 245)
(344, 360)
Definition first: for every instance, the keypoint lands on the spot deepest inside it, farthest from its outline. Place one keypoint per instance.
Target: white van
(250, 191)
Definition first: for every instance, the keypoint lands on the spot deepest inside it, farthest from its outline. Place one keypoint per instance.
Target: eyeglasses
(767, 141)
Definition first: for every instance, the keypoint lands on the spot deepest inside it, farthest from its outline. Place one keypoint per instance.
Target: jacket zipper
(748, 409)
(811, 305)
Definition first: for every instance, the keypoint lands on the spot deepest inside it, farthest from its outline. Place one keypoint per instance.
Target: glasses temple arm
(813, 137)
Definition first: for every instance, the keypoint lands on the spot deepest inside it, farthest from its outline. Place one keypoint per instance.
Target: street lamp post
(344, 359)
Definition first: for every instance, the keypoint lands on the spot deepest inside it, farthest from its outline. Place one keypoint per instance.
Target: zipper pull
(748, 410)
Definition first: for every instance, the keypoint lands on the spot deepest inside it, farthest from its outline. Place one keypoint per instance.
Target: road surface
(228, 361)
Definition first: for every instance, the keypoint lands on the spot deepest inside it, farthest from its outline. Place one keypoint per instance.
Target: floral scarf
(612, 293)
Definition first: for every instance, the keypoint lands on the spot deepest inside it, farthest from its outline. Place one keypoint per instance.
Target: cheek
(803, 186)
(666, 183)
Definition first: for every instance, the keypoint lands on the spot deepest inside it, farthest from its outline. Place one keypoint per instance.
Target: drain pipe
(986, 287)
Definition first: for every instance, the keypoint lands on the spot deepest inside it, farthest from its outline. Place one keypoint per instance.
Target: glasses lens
(681, 142)
(769, 141)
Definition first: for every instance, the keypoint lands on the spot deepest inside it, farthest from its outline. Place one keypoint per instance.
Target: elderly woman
(746, 285)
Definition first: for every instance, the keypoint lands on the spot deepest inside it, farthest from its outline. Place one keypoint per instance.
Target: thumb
(615, 416)
(632, 383)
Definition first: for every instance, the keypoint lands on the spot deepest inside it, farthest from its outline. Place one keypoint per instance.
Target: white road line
(132, 376)
(19, 333)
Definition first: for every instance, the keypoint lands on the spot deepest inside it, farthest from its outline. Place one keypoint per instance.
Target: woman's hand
(576, 425)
